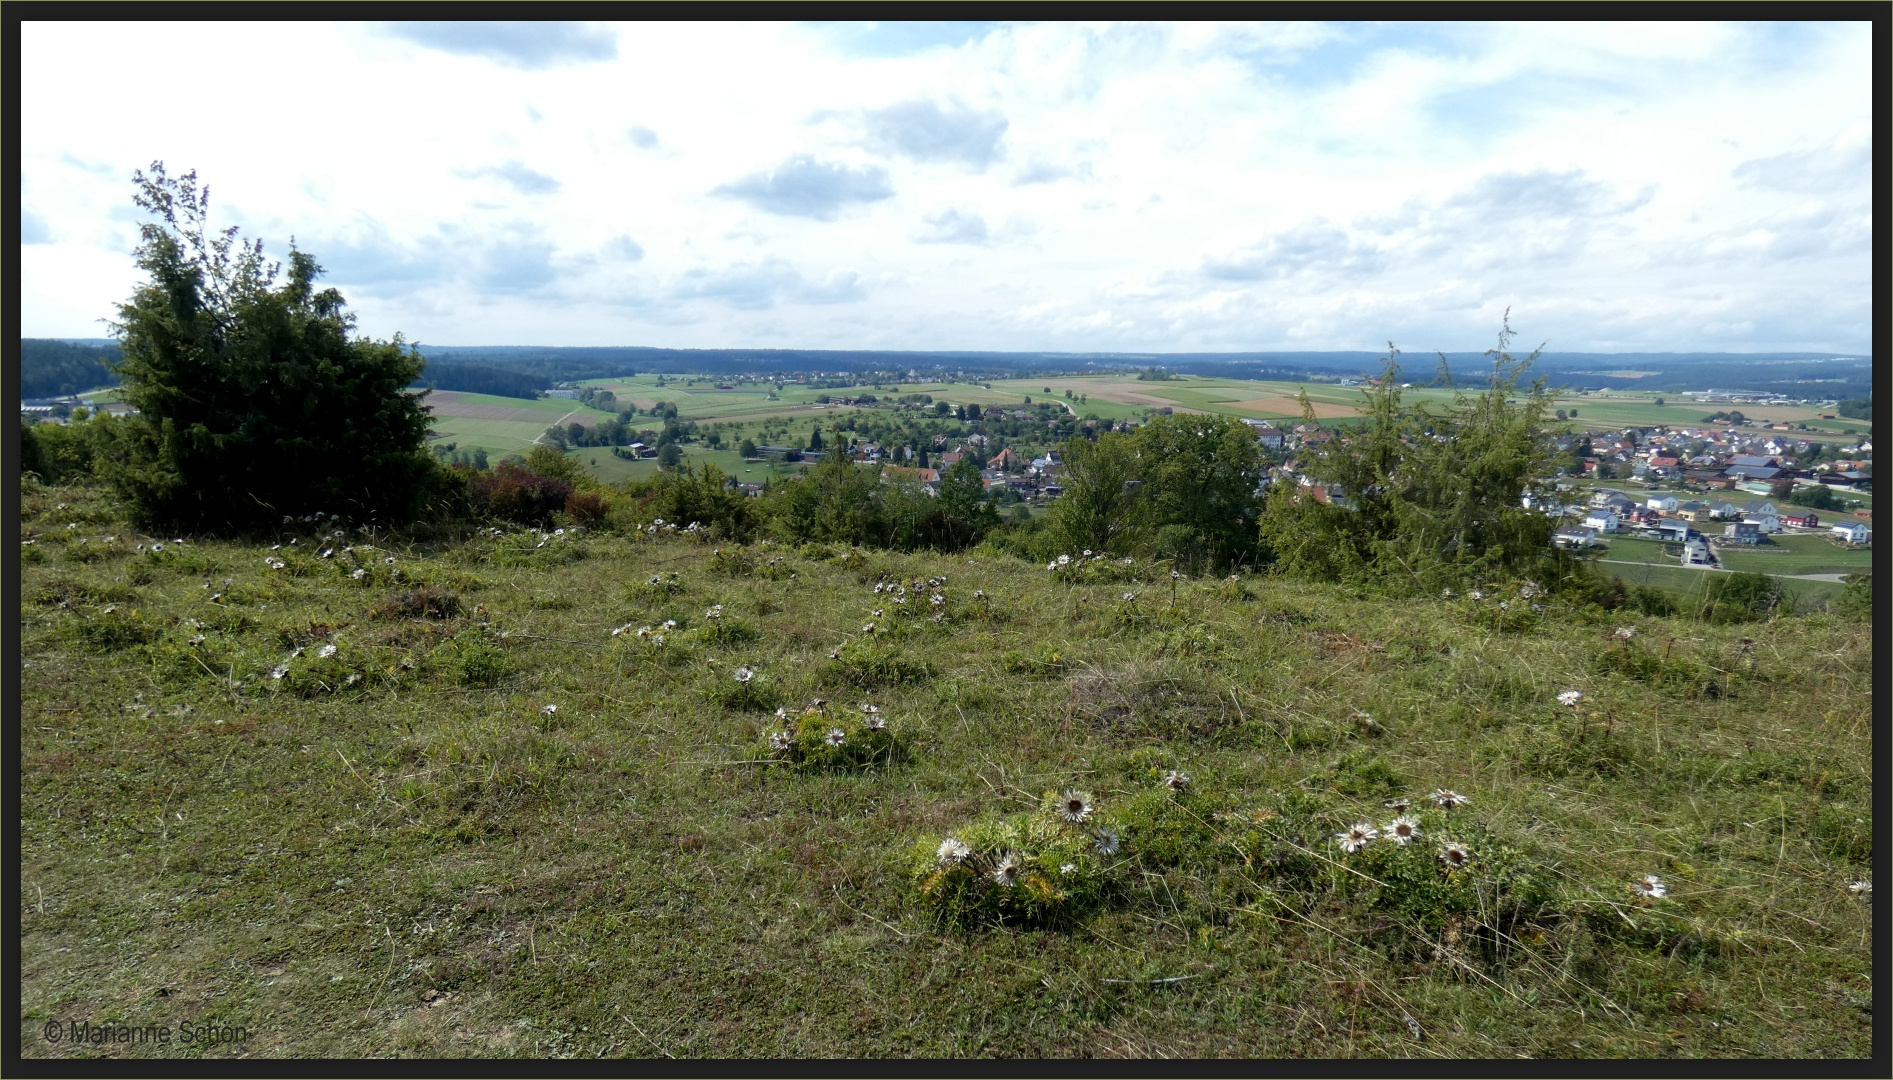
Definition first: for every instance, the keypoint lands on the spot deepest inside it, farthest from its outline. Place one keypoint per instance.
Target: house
(1752, 461)
(1742, 532)
(1854, 532)
(750, 488)
(1801, 519)
(1266, 433)
(950, 459)
(1724, 511)
(1672, 529)
(1762, 515)
(1751, 472)
(1663, 503)
(1575, 537)
(1697, 553)
(1693, 511)
(1005, 460)
(1604, 521)
(1663, 461)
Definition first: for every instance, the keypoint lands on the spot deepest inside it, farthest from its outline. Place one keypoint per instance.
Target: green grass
(1801, 554)
(424, 862)
(1687, 580)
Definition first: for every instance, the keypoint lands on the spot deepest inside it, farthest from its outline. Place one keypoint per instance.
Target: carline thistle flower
(1650, 887)
(1570, 698)
(1356, 837)
(744, 674)
(1403, 830)
(1176, 781)
(835, 737)
(1006, 870)
(1455, 855)
(780, 741)
(1106, 841)
(1074, 806)
(952, 852)
(1448, 799)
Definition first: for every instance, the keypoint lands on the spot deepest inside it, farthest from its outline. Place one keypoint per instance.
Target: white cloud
(1033, 186)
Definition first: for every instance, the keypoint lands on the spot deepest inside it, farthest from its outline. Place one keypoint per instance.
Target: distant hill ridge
(50, 367)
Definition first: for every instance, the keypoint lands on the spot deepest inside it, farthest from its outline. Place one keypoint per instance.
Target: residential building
(1575, 536)
(1742, 532)
(1854, 532)
(1697, 553)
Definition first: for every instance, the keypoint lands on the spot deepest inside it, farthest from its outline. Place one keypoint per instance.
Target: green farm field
(1803, 554)
(600, 462)
(361, 820)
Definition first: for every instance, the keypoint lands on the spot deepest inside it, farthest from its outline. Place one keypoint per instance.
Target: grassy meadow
(417, 798)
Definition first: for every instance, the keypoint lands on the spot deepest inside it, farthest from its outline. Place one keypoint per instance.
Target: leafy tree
(670, 455)
(815, 439)
(1198, 499)
(747, 448)
(254, 401)
(1816, 497)
(550, 461)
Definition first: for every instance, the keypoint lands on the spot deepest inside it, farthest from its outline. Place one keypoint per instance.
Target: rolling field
(602, 463)
(500, 425)
(1802, 554)
(358, 820)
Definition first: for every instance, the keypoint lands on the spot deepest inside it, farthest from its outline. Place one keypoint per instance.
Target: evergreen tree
(254, 402)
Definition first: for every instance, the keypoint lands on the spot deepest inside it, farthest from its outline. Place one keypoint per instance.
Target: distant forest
(57, 368)
(481, 379)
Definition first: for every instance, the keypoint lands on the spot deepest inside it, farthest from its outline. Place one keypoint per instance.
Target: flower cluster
(819, 737)
(907, 598)
(1091, 567)
(1031, 867)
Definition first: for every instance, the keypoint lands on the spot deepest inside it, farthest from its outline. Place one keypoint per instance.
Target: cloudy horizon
(1031, 187)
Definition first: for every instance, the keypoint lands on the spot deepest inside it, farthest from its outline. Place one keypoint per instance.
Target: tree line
(257, 402)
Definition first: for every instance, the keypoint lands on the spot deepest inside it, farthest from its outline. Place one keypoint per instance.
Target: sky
(1061, 187)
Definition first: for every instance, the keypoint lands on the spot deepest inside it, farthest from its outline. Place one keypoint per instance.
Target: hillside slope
(422, 799)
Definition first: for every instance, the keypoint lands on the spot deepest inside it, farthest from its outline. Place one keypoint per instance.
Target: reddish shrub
(585, 508)
(516, 494)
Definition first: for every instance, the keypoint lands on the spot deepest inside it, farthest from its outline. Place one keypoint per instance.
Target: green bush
(253, 402)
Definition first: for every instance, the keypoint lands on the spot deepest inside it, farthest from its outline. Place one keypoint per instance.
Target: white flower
(938, 600)
(1624, 633)
(1176, 781)
(1399, 805)
(1403, 830)
(744, 674)
(979, 594)
(1570, 698)
(867, 628)
(1862, 890)
(1129, 596)
(1448, 799)
(197, 639)
(1074, 806)
(389, 560)
(1175, 575)
(1446, 594)
(876, 613)
(1106, 841)
(835, 737)
(1454, 854)
(1068, 868)
(1087, 553)
(352, 679)
(548, 710)
(670, 624)
(326, 651)
(155, 548)
(952, 852)
(782, 714)
(644, 633)
(874, 723)
(279, 671)
(656, 579)
(715, 612)
(1356, 837)
(1476, 594)
(870, 709)
(1006, 871)
(780, 740)
(358, 573)
(1064, 560)
(274, 563)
